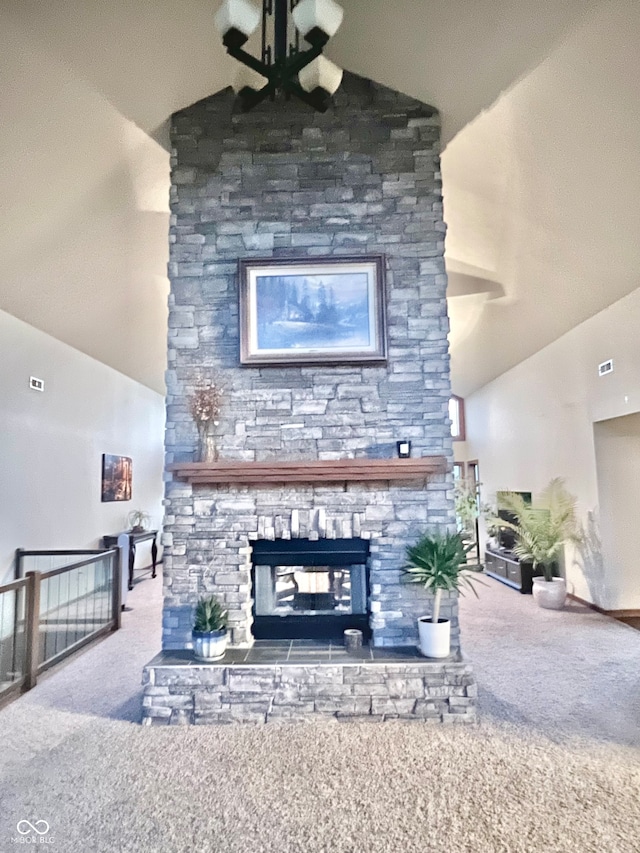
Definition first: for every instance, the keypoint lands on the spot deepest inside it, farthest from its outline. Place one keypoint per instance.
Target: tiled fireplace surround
(282, 181)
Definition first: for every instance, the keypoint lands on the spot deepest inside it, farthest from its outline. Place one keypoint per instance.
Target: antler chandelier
(307, 74)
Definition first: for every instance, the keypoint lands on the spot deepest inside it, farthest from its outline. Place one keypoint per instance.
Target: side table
(133, 539)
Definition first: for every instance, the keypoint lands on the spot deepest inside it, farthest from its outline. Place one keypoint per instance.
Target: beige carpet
(324, 788)
(554, 766)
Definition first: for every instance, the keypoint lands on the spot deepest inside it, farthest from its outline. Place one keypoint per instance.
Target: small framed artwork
(116, 478)
(312, 310)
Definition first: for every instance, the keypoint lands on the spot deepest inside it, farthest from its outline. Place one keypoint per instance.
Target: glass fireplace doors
(305, 589)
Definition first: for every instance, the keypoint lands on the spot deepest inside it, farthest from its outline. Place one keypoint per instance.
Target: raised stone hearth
(307, 451)
(303, 680)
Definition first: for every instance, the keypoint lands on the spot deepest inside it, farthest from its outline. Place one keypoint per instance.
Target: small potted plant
(138, 521)
(541, 533)
(209, 629)
(437, 562)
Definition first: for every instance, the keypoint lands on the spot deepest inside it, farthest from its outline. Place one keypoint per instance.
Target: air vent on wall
(36, 384)
(605, 367)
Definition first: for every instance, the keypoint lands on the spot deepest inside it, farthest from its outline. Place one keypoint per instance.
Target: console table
(505, 567)
(128, 541)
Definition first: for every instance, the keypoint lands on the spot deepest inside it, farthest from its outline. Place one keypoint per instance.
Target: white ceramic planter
(209, 645)
(550, 594)
(435, 637)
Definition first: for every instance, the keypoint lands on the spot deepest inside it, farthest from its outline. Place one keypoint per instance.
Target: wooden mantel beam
(317, 471)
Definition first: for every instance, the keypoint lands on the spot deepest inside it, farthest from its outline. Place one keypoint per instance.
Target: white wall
(51, 444)
(536, 422)
(541, 200)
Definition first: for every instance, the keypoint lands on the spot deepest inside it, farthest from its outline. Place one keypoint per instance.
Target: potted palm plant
(437, 562)
(541, 533)
(209, 629)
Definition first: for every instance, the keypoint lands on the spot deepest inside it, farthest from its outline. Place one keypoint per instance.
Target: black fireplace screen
(309, 589)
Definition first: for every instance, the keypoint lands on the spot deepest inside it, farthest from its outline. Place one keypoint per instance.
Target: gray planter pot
(209, 645)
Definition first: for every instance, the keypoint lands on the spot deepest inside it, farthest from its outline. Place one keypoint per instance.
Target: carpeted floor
(562, 673)
(553, 766)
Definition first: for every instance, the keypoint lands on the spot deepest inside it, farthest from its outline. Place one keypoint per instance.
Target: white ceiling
(540, 188)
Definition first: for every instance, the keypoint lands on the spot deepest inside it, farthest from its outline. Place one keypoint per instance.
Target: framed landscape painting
(116, 478)
(312, 310)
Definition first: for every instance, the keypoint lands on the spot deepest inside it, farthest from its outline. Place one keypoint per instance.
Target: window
(473, 473)
(456, 416)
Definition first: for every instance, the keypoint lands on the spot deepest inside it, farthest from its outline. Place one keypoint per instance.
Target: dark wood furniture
(135, 539)
(505, 566)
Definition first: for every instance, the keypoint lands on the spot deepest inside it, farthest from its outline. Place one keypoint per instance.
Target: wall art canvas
(116, 478)
(312, 310)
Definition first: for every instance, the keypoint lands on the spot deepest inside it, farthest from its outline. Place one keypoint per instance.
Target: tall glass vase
(207, 448)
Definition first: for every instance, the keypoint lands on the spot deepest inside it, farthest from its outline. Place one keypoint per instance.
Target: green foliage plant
(467, 503)
(542, 531)
(209, 615)
(437, 562)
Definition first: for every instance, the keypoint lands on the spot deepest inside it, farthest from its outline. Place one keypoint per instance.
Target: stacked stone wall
(282, 181)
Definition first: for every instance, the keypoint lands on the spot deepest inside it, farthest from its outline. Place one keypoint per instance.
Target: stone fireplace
(301, 528)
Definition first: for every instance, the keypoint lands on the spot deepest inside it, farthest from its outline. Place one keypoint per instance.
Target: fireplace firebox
(306, 589)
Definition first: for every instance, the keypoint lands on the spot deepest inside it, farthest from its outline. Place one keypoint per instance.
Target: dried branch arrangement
(205, 403)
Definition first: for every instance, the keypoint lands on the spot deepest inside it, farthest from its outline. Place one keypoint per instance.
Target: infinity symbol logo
(41, 827)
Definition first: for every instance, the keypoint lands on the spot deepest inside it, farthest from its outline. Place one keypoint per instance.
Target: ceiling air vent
(605, 367)
(36, 384)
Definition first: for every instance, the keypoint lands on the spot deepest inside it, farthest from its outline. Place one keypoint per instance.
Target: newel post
(32, 629)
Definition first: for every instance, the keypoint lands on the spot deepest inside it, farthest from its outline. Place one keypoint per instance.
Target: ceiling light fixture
(307, 74)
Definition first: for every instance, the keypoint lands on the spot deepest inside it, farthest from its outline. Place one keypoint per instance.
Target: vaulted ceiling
(541, 122)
